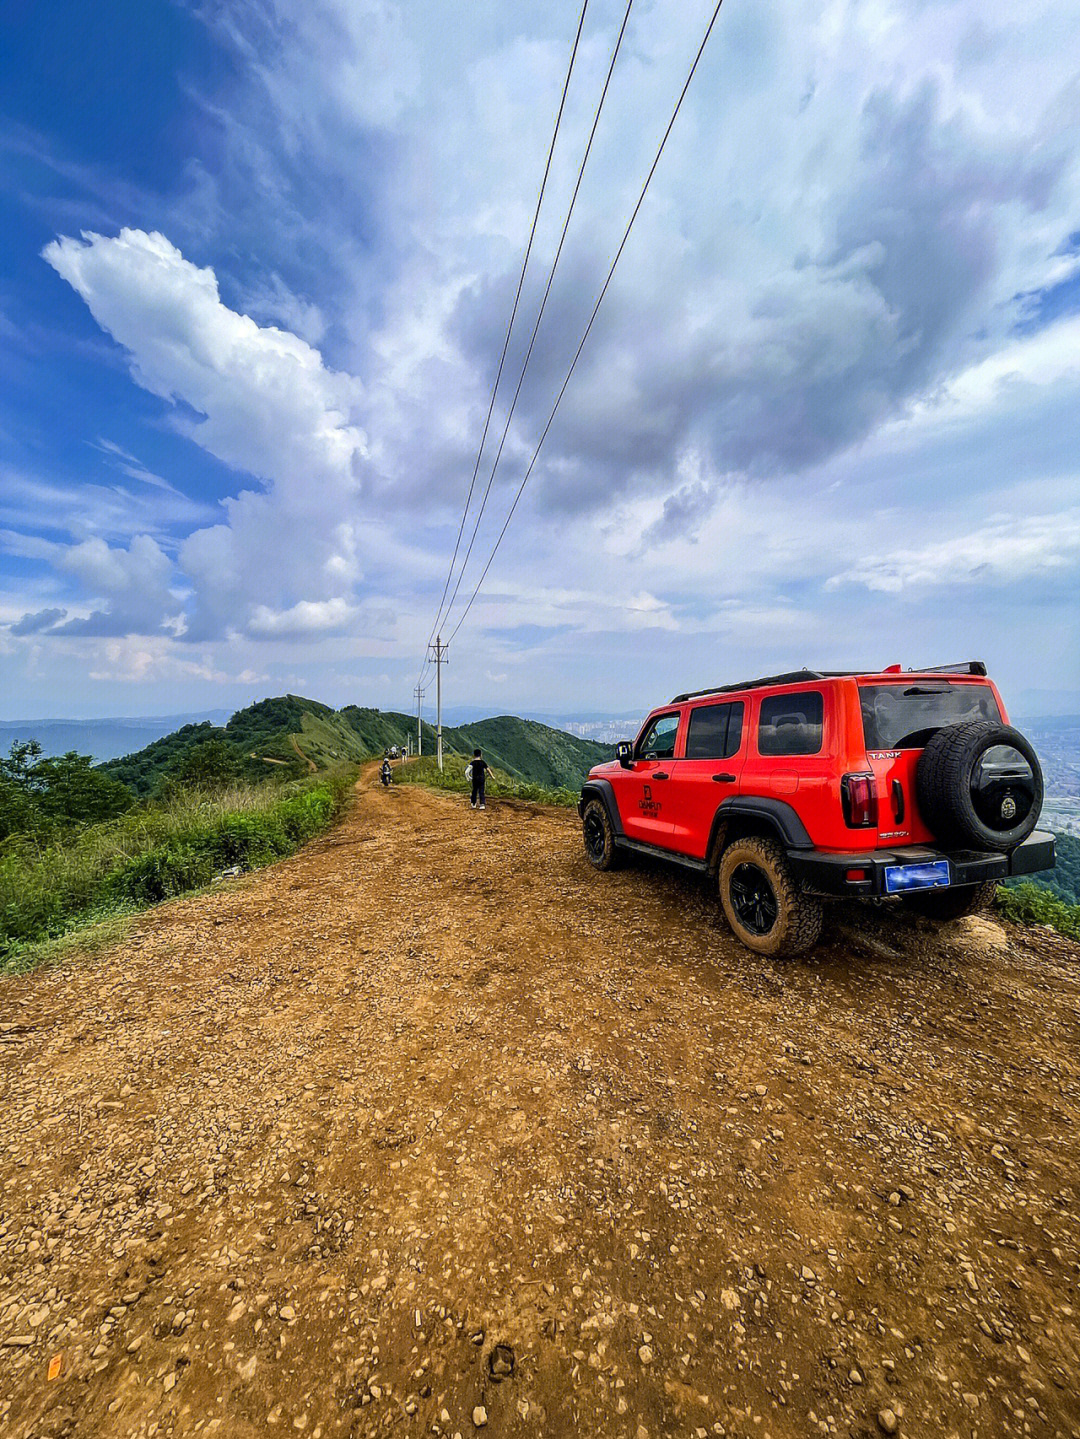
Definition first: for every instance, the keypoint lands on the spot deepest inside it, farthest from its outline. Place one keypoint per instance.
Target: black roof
(795, 677)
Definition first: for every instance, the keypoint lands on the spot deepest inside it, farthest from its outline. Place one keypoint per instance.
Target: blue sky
(256, 265)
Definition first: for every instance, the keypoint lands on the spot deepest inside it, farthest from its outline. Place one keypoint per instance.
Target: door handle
(660, 774)
(725, 778)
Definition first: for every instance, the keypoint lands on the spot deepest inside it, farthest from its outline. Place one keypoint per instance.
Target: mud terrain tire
(955, 903)
(600, 848)
(958, 798)
(762, 903)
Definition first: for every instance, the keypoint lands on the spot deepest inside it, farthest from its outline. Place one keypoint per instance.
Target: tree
(208, 765)
(70, 790)
(40, 795)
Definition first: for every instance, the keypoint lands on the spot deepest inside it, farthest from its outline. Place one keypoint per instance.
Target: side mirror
(624, 753)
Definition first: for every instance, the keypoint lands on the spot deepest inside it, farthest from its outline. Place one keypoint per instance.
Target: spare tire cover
(979, 783)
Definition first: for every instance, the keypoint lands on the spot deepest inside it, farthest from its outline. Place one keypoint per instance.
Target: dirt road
(431, 1130)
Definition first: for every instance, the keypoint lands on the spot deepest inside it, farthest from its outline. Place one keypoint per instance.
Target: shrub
(153, 852)
(1031, 904)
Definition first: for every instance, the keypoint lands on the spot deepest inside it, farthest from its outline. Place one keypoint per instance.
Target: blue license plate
(934, 874)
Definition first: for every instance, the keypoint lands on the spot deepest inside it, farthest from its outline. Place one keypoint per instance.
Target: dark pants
(478, 787)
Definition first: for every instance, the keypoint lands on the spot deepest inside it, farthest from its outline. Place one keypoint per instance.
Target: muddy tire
(596, 830)
(954, 903)
(762, 903)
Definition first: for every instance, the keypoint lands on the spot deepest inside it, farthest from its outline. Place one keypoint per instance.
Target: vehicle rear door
(642, 790)
(898, 719)
(708, 772)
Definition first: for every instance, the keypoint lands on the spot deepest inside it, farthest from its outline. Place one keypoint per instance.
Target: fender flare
(782, 819)
(602, 790)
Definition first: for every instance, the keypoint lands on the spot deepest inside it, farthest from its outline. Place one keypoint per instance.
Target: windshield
(903, 716)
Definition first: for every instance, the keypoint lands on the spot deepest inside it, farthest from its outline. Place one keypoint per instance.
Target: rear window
(905, 716)
(791, 724)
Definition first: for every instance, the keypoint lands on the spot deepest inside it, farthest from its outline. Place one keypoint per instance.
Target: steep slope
(143, 770)
(528, 750)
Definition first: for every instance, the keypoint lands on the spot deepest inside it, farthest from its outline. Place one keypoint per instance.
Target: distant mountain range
(102, 738)
(112, 738)
(294, 734)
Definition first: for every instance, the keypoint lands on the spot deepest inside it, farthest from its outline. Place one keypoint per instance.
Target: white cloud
(141, 659)
(306, 617)
(266, 404)
(1009, 378)
(1006, 549)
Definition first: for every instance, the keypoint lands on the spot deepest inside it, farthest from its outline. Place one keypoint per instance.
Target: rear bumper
(827, 874)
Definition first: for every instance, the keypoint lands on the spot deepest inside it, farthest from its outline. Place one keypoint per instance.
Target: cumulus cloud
(1007, 547)
(263, 402)
(306, 617)
(132, 585)
(38, 622)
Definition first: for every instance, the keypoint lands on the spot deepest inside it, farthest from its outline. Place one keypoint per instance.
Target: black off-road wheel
(954, 903)
(596, 830)
(764, 906)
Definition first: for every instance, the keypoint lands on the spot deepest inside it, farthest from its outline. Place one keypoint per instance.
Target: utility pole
(419, 693)
(438, 653)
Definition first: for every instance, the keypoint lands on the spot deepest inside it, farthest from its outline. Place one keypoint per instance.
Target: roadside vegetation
(77, 848)
(1028, 903)
(426, 771)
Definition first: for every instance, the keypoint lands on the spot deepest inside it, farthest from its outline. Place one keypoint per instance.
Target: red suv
(808, 786)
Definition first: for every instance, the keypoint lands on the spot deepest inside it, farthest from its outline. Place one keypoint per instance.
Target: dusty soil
(333, 1149)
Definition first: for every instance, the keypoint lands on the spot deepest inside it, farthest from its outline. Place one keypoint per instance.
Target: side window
(658, 741)
(715, 731)
(791, 724)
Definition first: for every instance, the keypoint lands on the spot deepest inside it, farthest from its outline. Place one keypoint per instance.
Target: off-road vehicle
(797, 788)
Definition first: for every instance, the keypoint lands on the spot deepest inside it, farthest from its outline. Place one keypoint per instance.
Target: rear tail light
(855, 876)
(859, 799)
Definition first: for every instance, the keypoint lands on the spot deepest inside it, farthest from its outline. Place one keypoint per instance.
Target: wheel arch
(603, 790)
(742, 816)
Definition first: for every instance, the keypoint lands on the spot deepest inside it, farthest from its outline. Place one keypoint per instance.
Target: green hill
(281, 736)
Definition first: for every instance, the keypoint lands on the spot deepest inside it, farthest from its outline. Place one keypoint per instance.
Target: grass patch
(155, 851)
(426, 771)
(1031, 904)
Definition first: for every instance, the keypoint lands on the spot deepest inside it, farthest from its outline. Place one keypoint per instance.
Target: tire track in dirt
(318, 1151)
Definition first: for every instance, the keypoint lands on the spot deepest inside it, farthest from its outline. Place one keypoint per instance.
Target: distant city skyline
(255, 275)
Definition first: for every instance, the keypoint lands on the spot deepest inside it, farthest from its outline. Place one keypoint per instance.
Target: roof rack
(795, 677)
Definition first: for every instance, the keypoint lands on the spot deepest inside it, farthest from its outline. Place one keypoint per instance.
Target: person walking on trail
(478, 769)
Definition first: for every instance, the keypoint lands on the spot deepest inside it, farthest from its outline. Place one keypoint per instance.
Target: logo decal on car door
(647, 804)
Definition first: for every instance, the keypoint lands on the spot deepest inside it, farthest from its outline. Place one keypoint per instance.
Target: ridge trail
(297, 1155)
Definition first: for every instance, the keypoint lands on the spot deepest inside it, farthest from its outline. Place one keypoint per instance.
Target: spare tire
(979, 783)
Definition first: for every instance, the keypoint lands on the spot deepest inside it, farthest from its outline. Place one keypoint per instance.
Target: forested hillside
(288, 734)
(1064, 879)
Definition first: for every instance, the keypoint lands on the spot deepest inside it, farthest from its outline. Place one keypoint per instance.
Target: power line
(543, 304)
(592, 317)
(510, 326)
